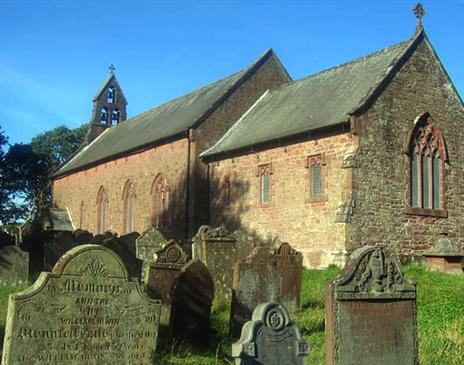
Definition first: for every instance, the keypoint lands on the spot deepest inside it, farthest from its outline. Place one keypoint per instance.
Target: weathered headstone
(266, 275)
(371, 312)
(118, 245)
(445, 256)
(162, 274)
(191, 297)
(56, 243)
(219, 250)
(86, 311)
(270, 338)
(14, 266)
(147, 245)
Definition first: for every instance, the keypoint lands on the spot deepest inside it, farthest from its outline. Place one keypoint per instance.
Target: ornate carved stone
(371, 312)
(270, 338)
(372, 272)
(147, 245)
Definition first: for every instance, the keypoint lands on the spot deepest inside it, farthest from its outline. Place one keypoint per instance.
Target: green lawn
(440, 303)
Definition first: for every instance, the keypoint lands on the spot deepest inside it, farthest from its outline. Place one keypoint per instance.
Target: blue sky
(54, 55)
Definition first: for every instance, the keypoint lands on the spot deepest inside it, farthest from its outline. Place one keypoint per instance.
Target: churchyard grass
(440, 317)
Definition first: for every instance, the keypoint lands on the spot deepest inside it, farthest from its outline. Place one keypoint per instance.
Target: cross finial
(112, 68)
(420, 12)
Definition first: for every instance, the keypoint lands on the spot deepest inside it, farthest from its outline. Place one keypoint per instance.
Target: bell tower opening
(109, 107)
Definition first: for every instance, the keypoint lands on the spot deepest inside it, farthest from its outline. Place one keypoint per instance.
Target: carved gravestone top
(266, 275)
(192, 296)
(270, 338)
(444, 247)
(147, 245)
(371, 312)
(14, 266)
(164, 270)
(218, 233)
(372, 273)
(170, 254)
(86, 311)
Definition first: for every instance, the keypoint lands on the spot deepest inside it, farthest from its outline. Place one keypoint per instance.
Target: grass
(440, 316)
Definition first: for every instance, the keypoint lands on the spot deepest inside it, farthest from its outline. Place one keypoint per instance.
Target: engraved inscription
(83, 316)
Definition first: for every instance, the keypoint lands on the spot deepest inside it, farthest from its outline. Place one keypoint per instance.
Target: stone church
(362, 153)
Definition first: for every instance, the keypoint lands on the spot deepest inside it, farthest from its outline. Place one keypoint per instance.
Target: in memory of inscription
(371, 312)
(86, 311)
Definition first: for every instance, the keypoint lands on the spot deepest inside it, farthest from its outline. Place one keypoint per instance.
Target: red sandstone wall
(142, 168)
(292, 216)
(381, 177)
(267, 76)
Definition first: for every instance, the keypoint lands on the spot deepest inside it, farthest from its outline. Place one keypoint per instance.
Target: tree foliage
(26, 169)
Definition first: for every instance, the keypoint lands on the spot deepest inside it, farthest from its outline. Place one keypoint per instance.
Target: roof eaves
(83, 148)
(260, 145)
(112, 157)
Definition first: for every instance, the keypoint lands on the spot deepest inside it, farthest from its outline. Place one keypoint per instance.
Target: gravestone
(191, 297)
(147, 245)
(57, 243)
(219, 250)
(371, 312)
(162, 274)
(266, 275)
(445, 256)
(270, 338)
(118, 245)
(14, 266)
(86, 311)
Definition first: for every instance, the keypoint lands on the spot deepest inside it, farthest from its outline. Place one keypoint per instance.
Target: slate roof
(321, 100)
(167, 120)
(60, 220)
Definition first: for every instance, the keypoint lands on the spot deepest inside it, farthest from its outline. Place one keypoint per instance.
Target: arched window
(115, 116)
(426, 160)
(102, 211)
(104, 116)
(110, 95)
(160, 199)
(128, 196)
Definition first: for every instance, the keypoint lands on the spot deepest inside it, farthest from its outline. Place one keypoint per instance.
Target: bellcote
(109, 107)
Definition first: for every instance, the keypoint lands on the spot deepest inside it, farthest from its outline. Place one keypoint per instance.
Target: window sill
(319, 199)
(442, 213)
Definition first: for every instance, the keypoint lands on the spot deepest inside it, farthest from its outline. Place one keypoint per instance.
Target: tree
(26, 168)
(58, 144)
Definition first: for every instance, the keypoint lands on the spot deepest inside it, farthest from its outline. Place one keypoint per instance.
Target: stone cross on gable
(419, 12)
(112, 68)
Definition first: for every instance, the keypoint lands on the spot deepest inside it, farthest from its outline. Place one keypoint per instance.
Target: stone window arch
(102, 210)
(110, 95)
(115, 115)
(128, 197)
(104, 115)
(426, 159)
(160, 202)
